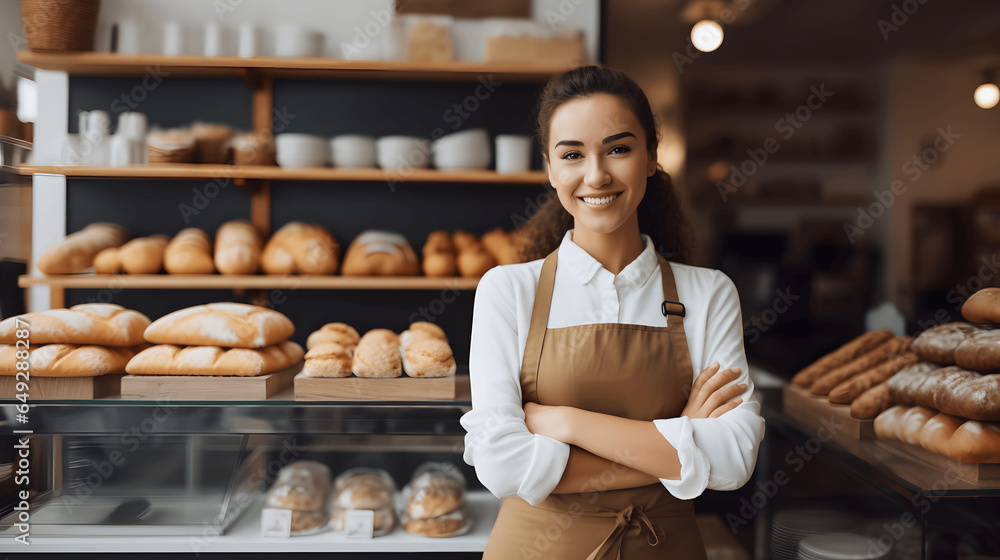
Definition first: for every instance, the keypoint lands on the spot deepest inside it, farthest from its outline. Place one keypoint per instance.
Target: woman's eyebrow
(607, 140)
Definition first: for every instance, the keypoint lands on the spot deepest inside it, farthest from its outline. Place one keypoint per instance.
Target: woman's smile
(600, 201)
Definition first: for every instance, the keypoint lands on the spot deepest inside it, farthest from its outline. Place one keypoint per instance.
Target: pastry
(221, 324)
(862, 363)
(254, 149)
(168, 359)
(101, 324)
(421, 330)
(980, 351)
(443, 526)
(983, 306)
(299, 248)
(189, 252)
(937, 344)
(108, 261)
(377, 355)
(317, 473)
(237, 248)
(363, 491)
(68, 360)
(434, 492)
(430, 357)
(872, 402)
(500, 246)
(380, 253)
(143, 255)
(439, 255)
(296, 494)
(951, 389)
(841, 356)
(76, 253)
(341, 333)
(174, 145)
(328, 359)
(849, 390)
(211, 142)
(384, 520)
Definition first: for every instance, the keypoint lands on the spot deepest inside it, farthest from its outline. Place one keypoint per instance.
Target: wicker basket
(59, 25)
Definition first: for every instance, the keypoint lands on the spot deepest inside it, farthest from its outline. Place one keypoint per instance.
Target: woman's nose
(597, 175)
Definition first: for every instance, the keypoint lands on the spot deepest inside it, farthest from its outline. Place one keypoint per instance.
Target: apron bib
(632, 371)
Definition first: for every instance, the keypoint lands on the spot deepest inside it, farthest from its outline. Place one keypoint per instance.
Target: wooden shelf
(746, 202)
(113, 64)
(248, 282)
(275, 173)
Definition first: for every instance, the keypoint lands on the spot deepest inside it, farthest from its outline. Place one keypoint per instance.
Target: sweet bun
(341, 333)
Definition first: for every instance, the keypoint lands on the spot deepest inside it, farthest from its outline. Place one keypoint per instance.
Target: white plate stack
(792, 525)
(302, 150)
(841, 546)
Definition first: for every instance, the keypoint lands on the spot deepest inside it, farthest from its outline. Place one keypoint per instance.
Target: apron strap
(628, 522)
(536, 330)
(675, 324)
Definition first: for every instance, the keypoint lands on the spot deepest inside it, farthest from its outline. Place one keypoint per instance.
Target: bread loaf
(862, 363)
(951, 389)
(976, 442)
(980, 352)
(849, 390)
(76, 253)
(221, 324)
(871, 403)
(68, 360)
(983, 306)
(937, 344)
(189, 252)
(968, 441)
(380, 253)
(841, 356)
(169, 359)
(500, 246)
(299, 248)
(143, 255)
(328, 359)
(237, 248)
(473, 259)
(439, 255)
(377, 355)
(341, 333)
(108, 261)
(101, 324)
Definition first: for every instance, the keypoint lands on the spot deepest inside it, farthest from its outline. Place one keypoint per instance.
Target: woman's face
(598, 161)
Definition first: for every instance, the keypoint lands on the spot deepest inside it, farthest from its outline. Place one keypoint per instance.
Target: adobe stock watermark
(436, 307)
(786, 126)
(901, 13)
(760, 324)
(914, 169)
(365, 34)
(895, 531)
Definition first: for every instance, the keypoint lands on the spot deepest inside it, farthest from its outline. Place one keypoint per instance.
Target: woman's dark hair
(660, 213)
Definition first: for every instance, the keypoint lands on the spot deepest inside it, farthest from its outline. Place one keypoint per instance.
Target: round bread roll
(429, 358)
(983, 306)
(341, 333)
(307, 521)
(475, 262)
(108, 261)
(143, 255)
(439, 265)
(384, 520)
(329, 359)
(442, 526)
(298, 494)
(433, 500)
(463, 240)
(377, 355)
(363, 491)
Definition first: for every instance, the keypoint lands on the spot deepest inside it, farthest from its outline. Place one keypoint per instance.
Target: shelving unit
(247, 282)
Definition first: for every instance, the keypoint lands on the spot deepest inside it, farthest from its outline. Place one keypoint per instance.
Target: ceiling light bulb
(987, 95)
(706, 35)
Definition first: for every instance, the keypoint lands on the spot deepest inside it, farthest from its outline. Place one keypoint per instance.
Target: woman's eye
(572, 155)
(620, 150)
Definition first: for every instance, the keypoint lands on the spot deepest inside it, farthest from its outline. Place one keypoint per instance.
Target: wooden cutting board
(363, 389)
(207, 387)
(64, 388)
(815, 412)
(986, 475)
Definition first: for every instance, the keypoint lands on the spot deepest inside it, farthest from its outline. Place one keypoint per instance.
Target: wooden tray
(207, 387)
(78, 388)
(980, 474)
(362, 389)
(815, 412)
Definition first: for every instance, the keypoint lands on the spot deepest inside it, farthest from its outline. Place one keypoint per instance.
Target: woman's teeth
(601, 200)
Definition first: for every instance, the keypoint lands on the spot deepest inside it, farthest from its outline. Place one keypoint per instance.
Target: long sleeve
(509, 460)
(718, 453)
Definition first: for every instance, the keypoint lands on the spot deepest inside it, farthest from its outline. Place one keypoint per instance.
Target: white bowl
(294, 149)
(469, 149)
(353, 150)
(395, 153)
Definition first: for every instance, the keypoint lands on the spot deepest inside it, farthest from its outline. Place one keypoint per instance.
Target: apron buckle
(673, 308)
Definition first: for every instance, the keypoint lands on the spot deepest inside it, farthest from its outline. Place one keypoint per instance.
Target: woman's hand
(711, 394)
(549, 421)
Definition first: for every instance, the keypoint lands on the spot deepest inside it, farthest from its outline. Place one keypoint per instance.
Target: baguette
(851, 389)
(237, 248)
(950, 389)
(871, 403)
(221, 324)
(299, 248)
(983, 306)
(76, 253)
(862, 363)
(169, 359)
(189, 252)
(68, 360)
(841, 356)
(101, 324)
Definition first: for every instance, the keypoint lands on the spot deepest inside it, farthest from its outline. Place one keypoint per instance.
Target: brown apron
(631, 371)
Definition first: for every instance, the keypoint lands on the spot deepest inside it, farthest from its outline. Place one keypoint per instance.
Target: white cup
(133, 126)
(122, 150)
(248, 41)
(127, 31)
(513, 153)
(396, 153)
(213, 40)
(353, 150)
(173, 39)
(294, 41)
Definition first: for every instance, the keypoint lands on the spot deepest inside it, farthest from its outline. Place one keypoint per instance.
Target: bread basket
(59, 25)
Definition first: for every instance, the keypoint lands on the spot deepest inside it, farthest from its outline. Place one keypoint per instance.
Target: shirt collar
(584, 267)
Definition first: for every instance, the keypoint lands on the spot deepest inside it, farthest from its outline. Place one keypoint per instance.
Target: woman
(587, 415)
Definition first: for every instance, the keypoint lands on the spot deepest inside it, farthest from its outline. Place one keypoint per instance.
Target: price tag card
(276, 522)
(359, 523)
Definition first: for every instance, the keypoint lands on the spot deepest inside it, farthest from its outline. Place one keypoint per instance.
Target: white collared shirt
(717, 453)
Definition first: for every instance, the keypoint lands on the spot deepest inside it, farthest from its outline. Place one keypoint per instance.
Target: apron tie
(628, 522)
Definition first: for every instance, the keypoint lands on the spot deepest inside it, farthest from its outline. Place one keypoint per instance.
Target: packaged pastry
(308, 523)
(301, 486)
(432, 503)
(363, 489)
(384, 521)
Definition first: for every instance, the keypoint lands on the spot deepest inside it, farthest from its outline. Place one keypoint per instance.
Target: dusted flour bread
(380, 253)
(329, 359)
(168, 359)
(937, 344)
(430, 357)
(299, 248)
(384, 520)
(951, 390)
(447, 525)
(221, 324)
(864, 362)
(439, 255)
(76, 253)
(983, 306)
(101, 324)
(500, 245)
(860, 345)
(377, 355)
(980, 351)
(968, 441)
(237, 248)
(852, 388)
(363, 488)
(68, 360)
(341, 333)
(872, 402)
(189, 252)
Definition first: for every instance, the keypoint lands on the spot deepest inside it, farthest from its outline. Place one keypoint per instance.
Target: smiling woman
(600, 406)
